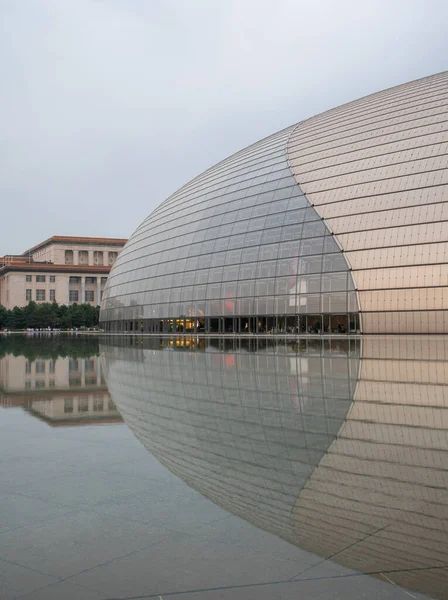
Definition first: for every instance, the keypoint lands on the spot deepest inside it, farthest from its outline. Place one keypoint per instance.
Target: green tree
(30, 312)
(3, 315)
(49, 314)
(19, 319)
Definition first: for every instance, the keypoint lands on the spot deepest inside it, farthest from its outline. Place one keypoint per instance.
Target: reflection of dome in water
(378, 500)
(341, 454)
(335, 224)
(245, 428)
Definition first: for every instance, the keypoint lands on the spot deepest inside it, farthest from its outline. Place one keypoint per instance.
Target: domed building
(337, 224)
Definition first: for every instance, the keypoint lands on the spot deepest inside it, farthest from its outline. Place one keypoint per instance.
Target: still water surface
(233, 469)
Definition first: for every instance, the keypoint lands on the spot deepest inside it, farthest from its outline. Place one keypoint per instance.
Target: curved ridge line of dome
(327, 225)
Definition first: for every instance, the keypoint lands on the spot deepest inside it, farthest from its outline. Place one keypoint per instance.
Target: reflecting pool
(245, 468)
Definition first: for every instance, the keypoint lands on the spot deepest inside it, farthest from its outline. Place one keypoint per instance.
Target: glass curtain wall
(237, 250)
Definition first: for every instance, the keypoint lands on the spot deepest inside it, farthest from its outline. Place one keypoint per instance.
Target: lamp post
(141, 322)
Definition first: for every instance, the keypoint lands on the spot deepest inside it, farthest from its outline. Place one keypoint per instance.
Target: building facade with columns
(61, 269)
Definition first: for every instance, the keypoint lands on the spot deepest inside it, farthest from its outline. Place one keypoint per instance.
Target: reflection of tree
(53, 347)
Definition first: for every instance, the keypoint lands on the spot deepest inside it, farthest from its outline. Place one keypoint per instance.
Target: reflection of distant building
(17, 374)
(63, 409)
(61, 391)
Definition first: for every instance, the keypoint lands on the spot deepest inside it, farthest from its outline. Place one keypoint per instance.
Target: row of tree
(49, 314)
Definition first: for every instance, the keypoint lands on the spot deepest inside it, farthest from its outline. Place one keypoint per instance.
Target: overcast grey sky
(109, 106)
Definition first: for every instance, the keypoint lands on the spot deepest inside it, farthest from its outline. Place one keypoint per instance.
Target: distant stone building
(61, 269)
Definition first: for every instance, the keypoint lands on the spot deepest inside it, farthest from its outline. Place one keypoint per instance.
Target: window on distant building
(52, 278)
(69, 257)
(90, 279)
(89, 296)
(40, 278)
(28, 295)
(39, 384)
(40, 366)
(83, 405)
(75, 279)
(89, 365)
(28, 277)
(73, 365)
(83, 257)
(112, 257)
(97, 257)
(28, 367)
(52, 295)
(98, 404)
(73, 295)
(68, 405)
(103, 280)
(52, 366)
(40, 295)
